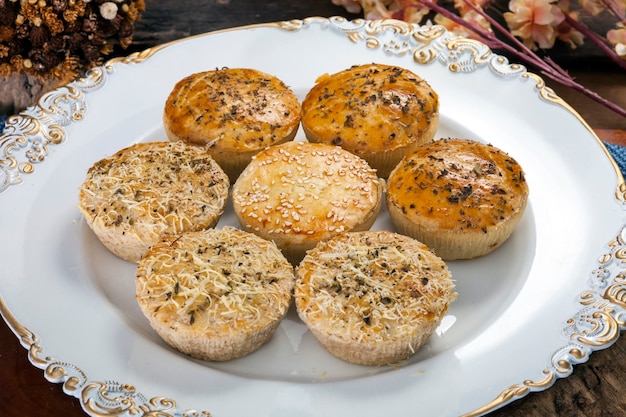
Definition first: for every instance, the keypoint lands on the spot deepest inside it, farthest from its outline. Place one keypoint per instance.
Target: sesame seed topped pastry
(214, 294)
(236, 112)
(374, 297)
(299, 193)
(376, 111)
(149, 189)
(460, 197)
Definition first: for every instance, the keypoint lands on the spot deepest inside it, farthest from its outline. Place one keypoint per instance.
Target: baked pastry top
(372, 297)
(215, 294)
(461, 197)
(376, 111)
(299, 193)
(236, 112)
(149, 189)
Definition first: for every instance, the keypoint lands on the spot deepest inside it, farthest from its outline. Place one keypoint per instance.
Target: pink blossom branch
(598, 40)
(545, 66)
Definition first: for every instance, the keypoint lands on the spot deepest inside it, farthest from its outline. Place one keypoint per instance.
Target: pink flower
(463, 8)
(376, 9)
(593, 7)
(565, 31)
(352, 6)
(471, 17)
(534, 21)
(407, 10)
(412, 13)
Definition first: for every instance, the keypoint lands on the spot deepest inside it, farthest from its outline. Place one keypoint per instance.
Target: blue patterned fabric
(618, 152)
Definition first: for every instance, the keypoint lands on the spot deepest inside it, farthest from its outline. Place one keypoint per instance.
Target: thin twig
(598, 40)
(611, 7)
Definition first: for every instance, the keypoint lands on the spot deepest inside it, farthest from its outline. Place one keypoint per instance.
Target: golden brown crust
(376, 111)
(214, 294)
(236, 112)
(299, 193)
(148, 189)
(372, 297)
(460, 197)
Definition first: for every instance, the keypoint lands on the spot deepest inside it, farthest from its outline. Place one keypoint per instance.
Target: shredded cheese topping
(218, 282)
(373, 286)
(156, 188)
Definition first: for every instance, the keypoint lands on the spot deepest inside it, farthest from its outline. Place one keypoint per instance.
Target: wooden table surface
(596, 388)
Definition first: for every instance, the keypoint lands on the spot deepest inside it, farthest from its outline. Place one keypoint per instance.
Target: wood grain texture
(166, 20)
(595, 389)
(615, 136)
(24, 391)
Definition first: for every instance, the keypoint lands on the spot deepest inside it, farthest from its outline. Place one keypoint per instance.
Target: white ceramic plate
(524, 316)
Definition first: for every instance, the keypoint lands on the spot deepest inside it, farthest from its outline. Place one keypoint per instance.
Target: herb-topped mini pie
(460, 197)
(374, 297)
(150, 189)
(235, 112)
(214, 294)
(378, 112)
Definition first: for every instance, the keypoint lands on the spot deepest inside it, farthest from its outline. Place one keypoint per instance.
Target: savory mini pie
(236, 112)
(374, 297)
(214, 294)
(149, 189)
(460, 197)
(378, 112)
(300, 193)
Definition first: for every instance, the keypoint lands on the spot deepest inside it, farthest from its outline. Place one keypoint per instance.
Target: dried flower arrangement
(523, 29)
(46, 43)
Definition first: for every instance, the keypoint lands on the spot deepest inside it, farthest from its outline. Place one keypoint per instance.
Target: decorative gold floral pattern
(28, 136)
(597, 325)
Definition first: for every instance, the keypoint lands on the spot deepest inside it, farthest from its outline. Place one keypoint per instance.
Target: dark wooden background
(596, 388)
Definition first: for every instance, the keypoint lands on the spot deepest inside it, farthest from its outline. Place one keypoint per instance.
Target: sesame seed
(287, 198)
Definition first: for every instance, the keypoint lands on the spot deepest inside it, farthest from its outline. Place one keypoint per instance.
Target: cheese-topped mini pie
(236, 112)
(460, 197)
(299, 193)
(376, 111)
(373, 297)
(214, 294)
(149, 189)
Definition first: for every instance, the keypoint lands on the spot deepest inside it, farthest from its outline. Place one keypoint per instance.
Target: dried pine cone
(47, 43)
(41, 37)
